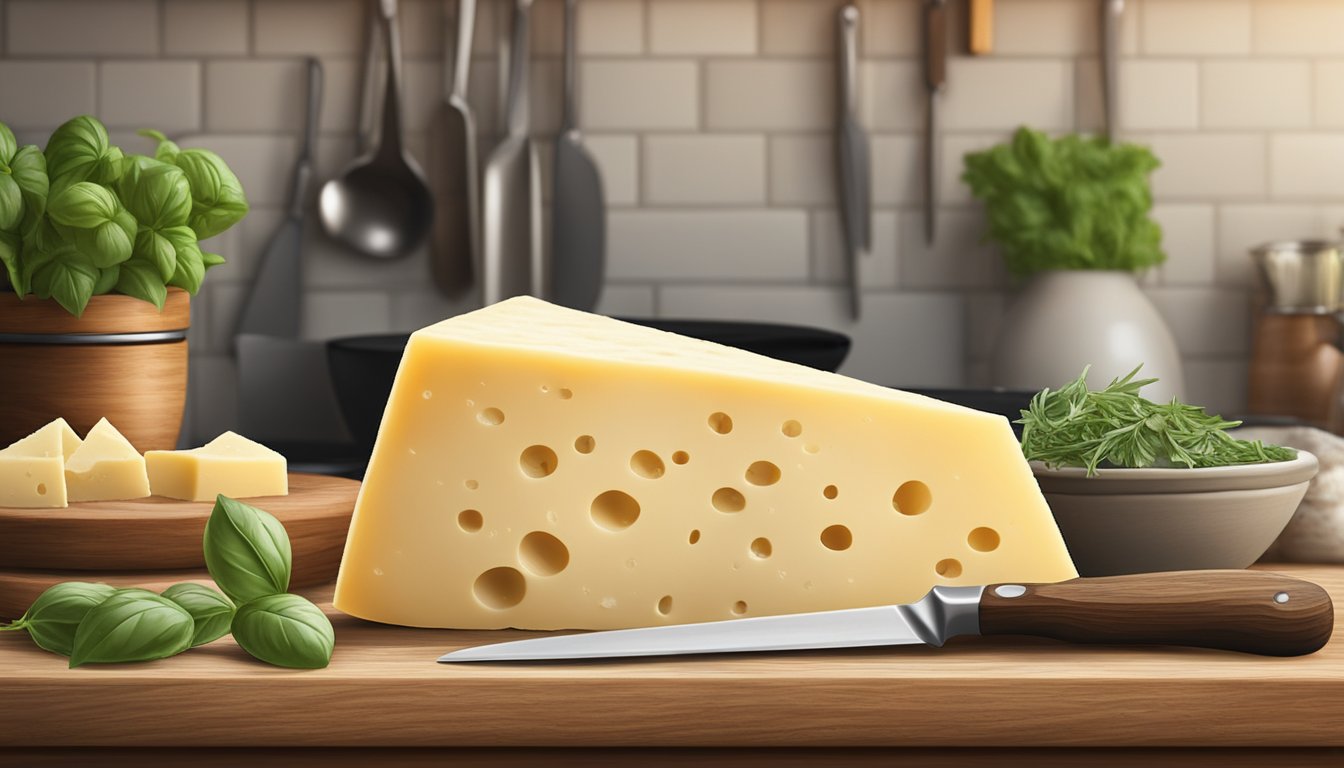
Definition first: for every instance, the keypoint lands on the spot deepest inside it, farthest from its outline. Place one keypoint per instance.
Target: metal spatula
(455, 242)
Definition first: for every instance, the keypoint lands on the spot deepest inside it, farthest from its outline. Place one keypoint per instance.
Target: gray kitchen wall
(710, 120)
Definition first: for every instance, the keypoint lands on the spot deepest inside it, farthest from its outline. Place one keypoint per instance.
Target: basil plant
(80, 218)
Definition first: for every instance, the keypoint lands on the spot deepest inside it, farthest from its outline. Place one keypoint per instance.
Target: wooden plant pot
(123, 360)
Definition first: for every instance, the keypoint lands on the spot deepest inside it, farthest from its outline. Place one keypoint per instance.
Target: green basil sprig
(246, 551)
(211, 611)
(54, 616)
(285, 630)
(132, 625)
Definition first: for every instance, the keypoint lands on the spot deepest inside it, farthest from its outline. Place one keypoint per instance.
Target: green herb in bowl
(1116, 426)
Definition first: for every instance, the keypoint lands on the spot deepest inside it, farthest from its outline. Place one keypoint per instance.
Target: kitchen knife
(935, 80)
(1111, 11)
(579, 215)
(1247, 611)
(852, 157)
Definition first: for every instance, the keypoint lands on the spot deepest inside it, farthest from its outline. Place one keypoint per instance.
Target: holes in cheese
(647, 465)
(639, 390)
(665, 605)
(615, 510)
(830, 491)
(490, 417)
(538, 461)
(470, 520)
(983, 539)
(565, 394)
(543, 554)
(837, 537)
(500, 588)
(912, 498)
(471, 485)
(721, 422)
(41, 489)
(763, 473)
(740, 607)
(729, 500)
(949, 568)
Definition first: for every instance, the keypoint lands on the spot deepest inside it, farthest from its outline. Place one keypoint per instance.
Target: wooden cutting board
(145, 542)
(383, 688)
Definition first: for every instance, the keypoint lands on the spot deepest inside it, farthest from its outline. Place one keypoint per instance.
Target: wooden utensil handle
(1247, 611)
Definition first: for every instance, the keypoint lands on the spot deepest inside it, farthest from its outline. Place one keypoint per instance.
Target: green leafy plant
(81, 218)
(285, 630)
(211, 611)
(248, 555)
(1076, 427)
(1067, 203)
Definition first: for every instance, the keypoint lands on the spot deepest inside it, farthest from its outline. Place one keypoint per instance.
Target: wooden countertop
(383, 688)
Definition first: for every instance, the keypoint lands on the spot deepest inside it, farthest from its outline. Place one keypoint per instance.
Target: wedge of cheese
(230, 464)
(32, 470)
(543, 468)
(105, 467)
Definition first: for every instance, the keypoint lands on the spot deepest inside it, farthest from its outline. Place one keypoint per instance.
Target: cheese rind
(230, 465)
(543, 468)
(106, 467)
(32, 470)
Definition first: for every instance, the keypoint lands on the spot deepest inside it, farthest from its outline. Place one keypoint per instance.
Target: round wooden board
(165, 534)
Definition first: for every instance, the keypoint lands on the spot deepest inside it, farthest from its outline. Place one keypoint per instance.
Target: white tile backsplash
(711, 122)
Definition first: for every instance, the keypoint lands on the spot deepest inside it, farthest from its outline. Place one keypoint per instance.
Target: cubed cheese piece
(32, 471)
(230, 464)
(543, 468)
(105, 467)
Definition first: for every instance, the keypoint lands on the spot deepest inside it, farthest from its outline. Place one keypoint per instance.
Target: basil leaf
(140, 279)
(11, 203)
(83, 205)
(246, 551)
(54, 616)
(217, 196)
(132, 625)
(107, 280)
(211, 611)
(79, 151)
(211, 259)
(165, 150)
(155, 192)
(285, 630)
(68, 281)
(9, 255)
(8, 145)
(110, 244)
(190, 265)
(29, 169)
(153, 248)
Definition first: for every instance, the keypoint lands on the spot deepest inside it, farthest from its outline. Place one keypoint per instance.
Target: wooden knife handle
(1247, 611)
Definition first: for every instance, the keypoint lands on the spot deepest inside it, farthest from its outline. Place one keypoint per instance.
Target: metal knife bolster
(944, 613)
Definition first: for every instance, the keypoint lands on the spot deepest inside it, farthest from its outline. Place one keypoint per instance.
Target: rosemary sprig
(1116, 426)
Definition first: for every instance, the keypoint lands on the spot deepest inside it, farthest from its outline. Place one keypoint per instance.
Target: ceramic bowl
(1145, 520)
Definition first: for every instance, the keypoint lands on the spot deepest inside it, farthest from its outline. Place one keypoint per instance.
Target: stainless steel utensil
(380, 205)
(456, 243)
(935, 81)
(366, 131)
(852, 158)
(579, 214)
(1111, 11)
(1301, 277)
(1248, 611)
(274, 305)
(511, 241)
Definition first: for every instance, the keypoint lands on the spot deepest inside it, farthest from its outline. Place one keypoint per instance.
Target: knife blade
(852, 157)
(1247, 611)
(935, 81)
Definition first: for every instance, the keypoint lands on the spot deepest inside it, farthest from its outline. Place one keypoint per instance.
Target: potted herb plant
(1071, 216)
(101, 253)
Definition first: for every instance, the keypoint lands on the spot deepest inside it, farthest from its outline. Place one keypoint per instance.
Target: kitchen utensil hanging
(1111, 12)
(935, 83)
(455, 244)
(852, 158)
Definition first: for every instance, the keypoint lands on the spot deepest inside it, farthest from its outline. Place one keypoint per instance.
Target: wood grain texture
(159, 533)
(384, 689)
(140, 388)
(110, 313)
(1231, 610)
(1295, 368)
